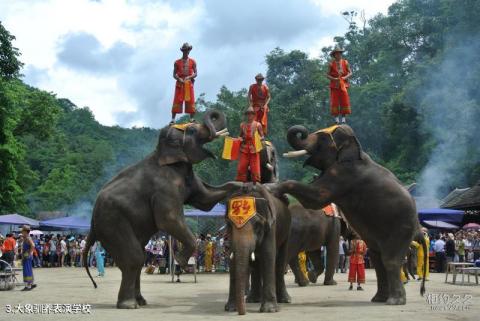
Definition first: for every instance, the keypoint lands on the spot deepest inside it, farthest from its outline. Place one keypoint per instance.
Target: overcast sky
(116, 56)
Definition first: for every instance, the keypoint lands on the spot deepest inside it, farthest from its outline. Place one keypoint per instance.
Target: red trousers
(261, 117)
(339, 102)
(248, 160)
(180, 98)
(356, 273)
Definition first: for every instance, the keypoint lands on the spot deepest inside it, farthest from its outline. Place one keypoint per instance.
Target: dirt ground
(205, 300)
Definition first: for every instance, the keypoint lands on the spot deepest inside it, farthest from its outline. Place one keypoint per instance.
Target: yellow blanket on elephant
(241, 209)
(181, 126)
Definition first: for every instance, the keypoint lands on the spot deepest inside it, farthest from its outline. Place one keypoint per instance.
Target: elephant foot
(396, 301)
(269, 307)
(127, 304)
(312, 276)
(230, 307)
(254, 298)
(330, 282)
(284, 298)
(380, 297)
(141, 300)
(302, 282)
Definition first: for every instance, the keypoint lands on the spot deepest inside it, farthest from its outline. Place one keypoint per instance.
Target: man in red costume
(339, 73)
(184, 72)
(258, 98)
(249, 151)
(357, 262)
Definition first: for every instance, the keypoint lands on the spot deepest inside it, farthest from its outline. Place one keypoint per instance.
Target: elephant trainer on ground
(372, 199)
(149, 196)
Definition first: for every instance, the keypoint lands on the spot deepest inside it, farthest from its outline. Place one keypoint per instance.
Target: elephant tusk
(220, 132)
(223, 134)
(296, 153)
(231, 256)
(253, 257)
(269, 167)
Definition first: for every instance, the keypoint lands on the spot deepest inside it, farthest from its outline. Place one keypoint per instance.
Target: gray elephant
(372, 199)
(149, 196)
(309, 231)
(260, 242)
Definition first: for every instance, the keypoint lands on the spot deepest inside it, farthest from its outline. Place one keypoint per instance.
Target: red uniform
(259, 98)
(184, 92)
(357, 262)
(249, 157)
(339, 99)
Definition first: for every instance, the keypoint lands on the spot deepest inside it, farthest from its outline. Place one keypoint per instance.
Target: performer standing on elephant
(27, 259)
(421, 255)
(249, 150)
(184, 72)
(339, 72)
(258, 98)
(357, 263)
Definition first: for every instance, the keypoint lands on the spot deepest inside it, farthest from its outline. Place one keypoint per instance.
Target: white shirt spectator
(82, 244)
(439, 246)
(340, 248)
(63, 246)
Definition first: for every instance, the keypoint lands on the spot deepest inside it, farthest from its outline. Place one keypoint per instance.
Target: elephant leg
(230, 306)
(267, 262)
(280, 265)
(332, 259)
(169, 218)
(128, 254)
(396, 291)
(299, 277)
(138, 295)
(315, 258)
(255, 293)
(382, 281)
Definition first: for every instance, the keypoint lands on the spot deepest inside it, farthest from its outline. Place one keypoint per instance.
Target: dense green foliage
(416, 110)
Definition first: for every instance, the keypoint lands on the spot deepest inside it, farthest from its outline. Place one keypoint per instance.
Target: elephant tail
(423, 241)
(90, 241)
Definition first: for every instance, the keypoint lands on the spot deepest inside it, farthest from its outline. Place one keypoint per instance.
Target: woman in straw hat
(339, 72)
(27, 259)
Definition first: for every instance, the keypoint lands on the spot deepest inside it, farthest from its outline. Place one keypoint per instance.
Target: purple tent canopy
(66, 223)
(17, 219)
(441, 214)
(440, 225)
(217, 210)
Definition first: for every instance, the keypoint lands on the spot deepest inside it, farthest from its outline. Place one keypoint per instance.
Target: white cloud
(230, 42)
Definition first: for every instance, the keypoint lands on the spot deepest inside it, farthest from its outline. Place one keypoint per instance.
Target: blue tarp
(440, 214)
(17, 219)
(66, 223)
(217, 210)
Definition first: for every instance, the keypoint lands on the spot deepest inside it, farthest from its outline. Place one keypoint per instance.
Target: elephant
(262, 244)
(309, 231)
(373, 201)
(148, 197)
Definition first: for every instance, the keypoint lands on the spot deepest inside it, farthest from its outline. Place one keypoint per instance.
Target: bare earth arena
(206, 299)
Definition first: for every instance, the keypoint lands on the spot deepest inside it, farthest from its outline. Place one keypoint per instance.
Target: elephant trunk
(216, 123)
(241, 274)
(299, 143)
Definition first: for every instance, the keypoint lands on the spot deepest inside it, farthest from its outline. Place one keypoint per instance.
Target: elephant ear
(349, 148)
(264, 210)
(170, 148)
